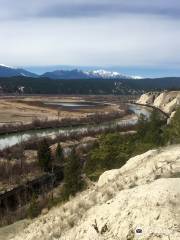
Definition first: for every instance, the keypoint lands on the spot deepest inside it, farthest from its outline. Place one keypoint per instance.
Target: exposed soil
(17, 110)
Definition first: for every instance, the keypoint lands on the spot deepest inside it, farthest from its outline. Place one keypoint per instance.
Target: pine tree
(142, 126)
(173, 130)
(72, 175)
(44, 155)
(59, 154)
(155, 128)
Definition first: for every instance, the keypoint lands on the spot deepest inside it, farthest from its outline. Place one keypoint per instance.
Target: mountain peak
(107, 74)
(7, 71)
(3, 65)
(79, 74)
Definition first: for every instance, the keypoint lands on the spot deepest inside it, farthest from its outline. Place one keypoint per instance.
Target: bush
(151, 131)
(59, 154)
(114, 150)
(44, 155)
(172, 133)
(72, 176)
(33, 210)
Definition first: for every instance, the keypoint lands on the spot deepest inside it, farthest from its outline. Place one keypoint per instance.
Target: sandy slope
(145, 194)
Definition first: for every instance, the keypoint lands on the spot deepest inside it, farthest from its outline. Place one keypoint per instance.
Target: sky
(136, 37)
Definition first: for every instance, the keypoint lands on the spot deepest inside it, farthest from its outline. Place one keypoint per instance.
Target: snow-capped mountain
(106, 74)
(136, 77)
(7, 71)
(79, 74)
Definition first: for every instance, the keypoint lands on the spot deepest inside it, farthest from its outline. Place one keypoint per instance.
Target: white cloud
(126, 40)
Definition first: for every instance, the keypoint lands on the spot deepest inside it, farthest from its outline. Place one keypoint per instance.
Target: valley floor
(24, 109)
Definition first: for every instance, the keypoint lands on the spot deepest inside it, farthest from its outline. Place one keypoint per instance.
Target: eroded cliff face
(144, 193)
(166, 101)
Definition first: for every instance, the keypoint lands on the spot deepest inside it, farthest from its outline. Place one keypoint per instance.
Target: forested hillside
(29, 85)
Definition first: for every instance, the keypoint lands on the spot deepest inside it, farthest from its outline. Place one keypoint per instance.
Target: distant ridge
(7, 71)
(79, 74)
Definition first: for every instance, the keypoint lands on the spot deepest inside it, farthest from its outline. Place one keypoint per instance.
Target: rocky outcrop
(144, 194)
(147, 98)
(166, 101)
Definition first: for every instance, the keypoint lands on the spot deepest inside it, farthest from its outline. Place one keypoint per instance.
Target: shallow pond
(74, 105)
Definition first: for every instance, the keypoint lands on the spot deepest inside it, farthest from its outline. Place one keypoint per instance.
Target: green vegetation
(59, 154)
(33, 210)
(172, 133)
(44, 155)
(151, 131)
(43, 85)
(72, 176)
(114, 150)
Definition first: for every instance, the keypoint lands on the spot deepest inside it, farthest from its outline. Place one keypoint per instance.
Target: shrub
(44, 155)
(72, 175)
(172, 133)
(59, 154)
(33, 210)
(112, 152)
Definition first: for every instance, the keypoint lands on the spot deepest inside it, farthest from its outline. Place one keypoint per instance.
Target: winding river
(9, 140)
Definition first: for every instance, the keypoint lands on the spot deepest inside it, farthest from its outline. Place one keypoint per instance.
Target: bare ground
(24, 110)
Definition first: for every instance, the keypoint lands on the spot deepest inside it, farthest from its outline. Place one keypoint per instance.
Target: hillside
(29, 85)
(76, 86)
(143, 194)
(6, 71)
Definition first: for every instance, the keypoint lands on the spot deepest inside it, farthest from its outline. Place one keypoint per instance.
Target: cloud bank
(84, 32)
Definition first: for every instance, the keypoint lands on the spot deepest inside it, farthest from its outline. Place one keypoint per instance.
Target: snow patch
(3, 65)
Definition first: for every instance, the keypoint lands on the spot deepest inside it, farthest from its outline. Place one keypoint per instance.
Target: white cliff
(147, 98)
(144, 193)
(166, 101)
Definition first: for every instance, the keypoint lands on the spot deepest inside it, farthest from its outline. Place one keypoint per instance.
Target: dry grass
(24, 109)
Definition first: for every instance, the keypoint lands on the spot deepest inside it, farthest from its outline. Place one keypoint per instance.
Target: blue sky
(136, 37)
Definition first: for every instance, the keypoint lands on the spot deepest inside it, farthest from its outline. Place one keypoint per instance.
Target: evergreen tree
(150, 130)
(173, 131)
(155, 129)
(59, 154)
(142, 126)
(44, 155)
(33, 209)
(72, 175)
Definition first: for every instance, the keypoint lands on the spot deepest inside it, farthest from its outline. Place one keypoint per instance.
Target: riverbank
(38, 124)
(98, 125)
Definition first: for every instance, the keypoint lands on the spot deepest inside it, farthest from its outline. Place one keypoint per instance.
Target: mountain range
(18, 80)
(6, 71)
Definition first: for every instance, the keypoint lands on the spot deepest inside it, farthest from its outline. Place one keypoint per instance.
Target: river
(9, 140)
